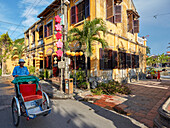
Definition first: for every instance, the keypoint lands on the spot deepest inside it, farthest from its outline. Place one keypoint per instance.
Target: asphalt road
(65, 114)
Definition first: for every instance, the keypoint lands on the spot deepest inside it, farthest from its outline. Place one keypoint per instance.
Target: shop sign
(61, 64)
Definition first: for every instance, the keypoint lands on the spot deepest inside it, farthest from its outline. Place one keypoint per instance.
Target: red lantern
(57, 19)
(59, 53)
(58, 35)
(58, 27)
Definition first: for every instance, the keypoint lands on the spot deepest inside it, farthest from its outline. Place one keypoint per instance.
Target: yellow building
(126, 51)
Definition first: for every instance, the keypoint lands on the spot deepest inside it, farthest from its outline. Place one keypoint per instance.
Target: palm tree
(86, 36)
(149, 61)
(19, 48)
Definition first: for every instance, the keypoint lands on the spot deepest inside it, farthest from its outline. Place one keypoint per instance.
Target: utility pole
(64, 33)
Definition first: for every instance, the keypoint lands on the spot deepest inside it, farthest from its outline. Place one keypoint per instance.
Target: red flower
(58, 35)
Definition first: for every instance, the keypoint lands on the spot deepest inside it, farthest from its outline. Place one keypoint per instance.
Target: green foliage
(6, 44)
(41, 75)
(97, 91)
(111, 88)
(46, 74)
(86, 36)
(80, 75)
(0, 72)
(19, 48)
(148, 50)
(82, 85)
(31, 69)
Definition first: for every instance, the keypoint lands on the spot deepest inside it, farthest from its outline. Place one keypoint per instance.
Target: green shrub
(46, 74)
(82, 85)
(112, 87)
(31, 69)
(97, 91)
(0, 72)
(41, 75)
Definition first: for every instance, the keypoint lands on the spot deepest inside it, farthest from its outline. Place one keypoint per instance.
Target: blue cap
(21, 61)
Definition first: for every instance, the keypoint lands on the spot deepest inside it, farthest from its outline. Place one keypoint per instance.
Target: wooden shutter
(45, 30)
(110, 10)
(137, 61)
(133, 61)
(130, 23)
(124, 60)
(110, 59)
(118, 14)
(87, 8)
(114, 59)
(128, 60)
(101, 51)
(136, 26)
(73, 15)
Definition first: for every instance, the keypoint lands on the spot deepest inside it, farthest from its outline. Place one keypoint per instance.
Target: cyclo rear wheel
(15, 113)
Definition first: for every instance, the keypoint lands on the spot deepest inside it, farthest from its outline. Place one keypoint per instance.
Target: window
(133, 22)
(122, 60)
(128, 60)
(33, 37)
(41, 32)
(108, 59)
(41, 64)
(80, 11)
(80, 62)
(113, 11)
(48, 29)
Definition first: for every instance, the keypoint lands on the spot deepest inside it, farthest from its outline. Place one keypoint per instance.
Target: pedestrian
(158, 76)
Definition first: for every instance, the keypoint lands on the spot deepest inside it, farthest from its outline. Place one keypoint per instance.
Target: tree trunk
(88, 87)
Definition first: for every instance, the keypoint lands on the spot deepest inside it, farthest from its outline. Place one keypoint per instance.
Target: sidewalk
(142, 104)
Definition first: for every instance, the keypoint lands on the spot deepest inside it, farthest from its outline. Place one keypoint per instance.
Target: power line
(26, 15)
(11, 23)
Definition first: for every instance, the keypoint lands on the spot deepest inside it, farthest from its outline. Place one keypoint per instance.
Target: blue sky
(18, 12)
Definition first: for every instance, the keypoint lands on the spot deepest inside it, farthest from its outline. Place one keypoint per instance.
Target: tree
(6, 48)
(148, 50)
(150, 61)
(86, 36)
(19, 48)
(162, 58)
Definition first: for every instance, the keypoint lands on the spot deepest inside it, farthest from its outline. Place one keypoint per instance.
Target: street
(65, 114)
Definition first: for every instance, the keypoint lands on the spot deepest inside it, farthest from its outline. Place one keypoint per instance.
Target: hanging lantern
(58, 35)
(58, 27)
(59, 53)
(72, 53)
(40, 52)
(68, 53)
(57, 19)
(77, 53)
(81, 53)
(59, 44)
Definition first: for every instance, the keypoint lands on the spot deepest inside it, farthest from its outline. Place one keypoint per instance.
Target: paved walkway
(142, 104)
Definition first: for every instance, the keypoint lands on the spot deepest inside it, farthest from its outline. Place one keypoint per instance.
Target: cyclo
(30, 101)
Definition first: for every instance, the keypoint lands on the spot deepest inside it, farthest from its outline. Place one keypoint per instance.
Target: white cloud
(31, 8)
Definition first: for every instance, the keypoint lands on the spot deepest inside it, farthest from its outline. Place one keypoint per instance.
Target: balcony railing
(40, 42)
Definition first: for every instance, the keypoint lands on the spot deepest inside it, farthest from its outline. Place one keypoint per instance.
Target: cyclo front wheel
(15, 113)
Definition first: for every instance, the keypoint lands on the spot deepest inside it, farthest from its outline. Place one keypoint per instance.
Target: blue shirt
(20, 71)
